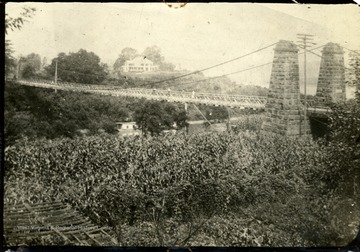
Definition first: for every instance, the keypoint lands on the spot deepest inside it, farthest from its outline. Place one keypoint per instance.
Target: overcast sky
(195, 36)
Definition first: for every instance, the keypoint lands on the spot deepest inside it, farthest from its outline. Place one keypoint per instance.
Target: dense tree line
(152, 53)
(14, 23)
(154, 117)
(79, 67)
(37, 113)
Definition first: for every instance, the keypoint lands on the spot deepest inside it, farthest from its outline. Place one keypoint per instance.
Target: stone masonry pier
(331, 82)
(284, 112)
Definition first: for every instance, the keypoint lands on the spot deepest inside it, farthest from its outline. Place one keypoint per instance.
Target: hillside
(194, 82)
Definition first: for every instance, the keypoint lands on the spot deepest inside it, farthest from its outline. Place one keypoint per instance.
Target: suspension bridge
(287, 92)
(240, 101)
(286, 114)
(285, 110)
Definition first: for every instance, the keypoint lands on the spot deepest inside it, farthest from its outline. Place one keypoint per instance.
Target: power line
(350, 50)
(220, 76)
(320, 56)
(243, 70)
(72, 71)
(313, 49)
(198, 71)
(207, 68)
(304, 42)
(215, 77)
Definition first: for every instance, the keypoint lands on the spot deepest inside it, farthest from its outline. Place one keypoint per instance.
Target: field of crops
(215, 189)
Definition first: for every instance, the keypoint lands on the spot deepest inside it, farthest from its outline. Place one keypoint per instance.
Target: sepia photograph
(181, 124)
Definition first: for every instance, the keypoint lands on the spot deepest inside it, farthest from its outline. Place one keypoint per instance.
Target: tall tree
(14, 23)
(354, 72)
(34, 60)
(166, 66)
(10, 62)
(127, 53)
(43, 63)
(344, 131)
(153, 117)
(30, 65)
(80, 67)
(153, 53)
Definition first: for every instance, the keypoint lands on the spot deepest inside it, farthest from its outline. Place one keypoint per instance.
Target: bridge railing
(174, 96)
(215, 99)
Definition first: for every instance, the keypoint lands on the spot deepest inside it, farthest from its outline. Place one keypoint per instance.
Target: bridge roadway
(239, 101)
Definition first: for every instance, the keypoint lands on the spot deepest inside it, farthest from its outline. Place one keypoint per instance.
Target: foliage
(80, 67)
(344, 139)
(353, 73)
(153, 53)
(345, 122)
(29, 66)
(10, 62)
(127, 53)
(34, 112)
(167, 66)
(33, 60)
(249, 123)
(252, 90)
(209, 189)
(122, 82)
(217, 113)
(344, 130)
(154, 117)
(12, 24)
(16, 23)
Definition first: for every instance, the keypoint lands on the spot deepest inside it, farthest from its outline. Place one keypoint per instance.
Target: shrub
(285, 185)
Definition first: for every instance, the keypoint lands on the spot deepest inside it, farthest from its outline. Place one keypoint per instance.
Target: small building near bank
(128, 129)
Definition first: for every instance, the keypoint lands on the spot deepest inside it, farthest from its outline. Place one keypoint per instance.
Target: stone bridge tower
(331, 82)
(284, 112)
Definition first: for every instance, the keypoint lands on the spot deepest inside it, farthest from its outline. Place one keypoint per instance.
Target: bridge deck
(241, 101)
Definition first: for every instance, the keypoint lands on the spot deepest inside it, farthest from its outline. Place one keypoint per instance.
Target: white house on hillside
(138, 64)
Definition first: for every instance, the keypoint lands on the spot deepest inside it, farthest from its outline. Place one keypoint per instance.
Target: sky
(193, 37)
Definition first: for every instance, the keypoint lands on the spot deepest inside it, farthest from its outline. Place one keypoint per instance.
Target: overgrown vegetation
(213, 189)
(36, 113)
(262, 190)
(80, 67)
(207, 189)
(154, 117)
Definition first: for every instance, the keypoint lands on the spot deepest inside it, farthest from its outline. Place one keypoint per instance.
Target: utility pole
(228, 126)
(186, 125)
(18, 68)
(56, 63)
(304, 43)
